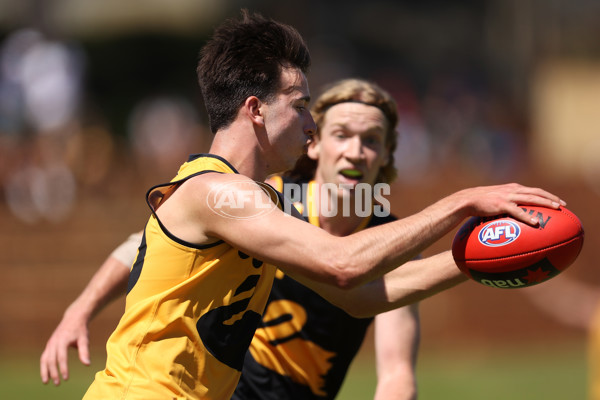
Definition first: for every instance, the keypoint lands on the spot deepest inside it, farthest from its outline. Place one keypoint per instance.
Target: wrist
(451, 210)
(80, 309)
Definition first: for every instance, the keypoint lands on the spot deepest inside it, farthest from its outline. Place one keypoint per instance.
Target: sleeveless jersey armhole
(155, 197)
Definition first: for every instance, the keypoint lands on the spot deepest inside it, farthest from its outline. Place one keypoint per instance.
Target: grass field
(545, 372)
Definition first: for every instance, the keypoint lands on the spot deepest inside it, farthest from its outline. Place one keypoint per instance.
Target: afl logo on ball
(499, 233)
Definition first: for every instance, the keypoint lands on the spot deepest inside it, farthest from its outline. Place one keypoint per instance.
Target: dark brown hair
(245, 58)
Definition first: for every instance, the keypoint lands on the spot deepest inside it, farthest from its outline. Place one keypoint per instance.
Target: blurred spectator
(40, 86)
(471, 128)
(91, 155)
(32, 192)
(492, 146)
(413, 153)
(412, 156)
(162, 130)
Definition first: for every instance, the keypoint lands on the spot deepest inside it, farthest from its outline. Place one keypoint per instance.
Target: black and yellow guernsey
(191, 311)
(304, 345)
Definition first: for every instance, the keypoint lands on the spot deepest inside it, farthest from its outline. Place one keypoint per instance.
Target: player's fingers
(51, 366)
(518, 213)
(84, 349)
(538, 196)
(535, 200)
(62, 356)
(43, 368)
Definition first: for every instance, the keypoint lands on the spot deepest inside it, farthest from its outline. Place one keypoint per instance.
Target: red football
(505, 253)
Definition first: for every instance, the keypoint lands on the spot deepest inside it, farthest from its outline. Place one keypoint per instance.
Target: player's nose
(354, 149)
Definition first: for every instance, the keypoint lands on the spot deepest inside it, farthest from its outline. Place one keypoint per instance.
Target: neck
(241, 151)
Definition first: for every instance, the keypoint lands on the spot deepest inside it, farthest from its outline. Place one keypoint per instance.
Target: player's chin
(347, 182)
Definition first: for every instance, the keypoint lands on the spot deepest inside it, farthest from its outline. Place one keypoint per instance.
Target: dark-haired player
(204, 269)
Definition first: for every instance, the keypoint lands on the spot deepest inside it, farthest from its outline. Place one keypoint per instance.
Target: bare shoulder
(194, 210)
(221, 190)
(245, 214)
(220, 201)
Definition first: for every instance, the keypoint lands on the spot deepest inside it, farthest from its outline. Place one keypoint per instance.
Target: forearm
(109, 282)
(398, 384)
(397, 336)
(407, 284)
(367, 255)
(315, 257)
(416, 281)
(396, 243)
(374, 252)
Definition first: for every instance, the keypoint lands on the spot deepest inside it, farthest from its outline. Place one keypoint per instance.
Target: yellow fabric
(594, 356)
(277, 345)
(303, 361)
(157, 350)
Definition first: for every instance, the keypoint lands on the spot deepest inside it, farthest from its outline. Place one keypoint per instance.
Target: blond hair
(359, 91)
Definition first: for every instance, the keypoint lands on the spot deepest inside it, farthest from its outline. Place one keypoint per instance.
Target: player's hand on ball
(488, 201)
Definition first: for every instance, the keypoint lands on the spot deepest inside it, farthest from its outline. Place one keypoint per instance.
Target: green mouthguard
(351, 172)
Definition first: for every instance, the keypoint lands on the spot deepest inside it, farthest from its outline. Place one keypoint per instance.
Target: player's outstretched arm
(108, 283)
(413, 281)
(397, 335)
(320, 260)
(305, 251)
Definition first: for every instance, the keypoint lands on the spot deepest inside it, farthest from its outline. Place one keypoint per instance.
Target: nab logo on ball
(499, 233)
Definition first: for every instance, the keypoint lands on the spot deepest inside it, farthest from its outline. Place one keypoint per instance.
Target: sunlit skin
(276, 130)
(364, 273)
(288, 121)
(350, 147)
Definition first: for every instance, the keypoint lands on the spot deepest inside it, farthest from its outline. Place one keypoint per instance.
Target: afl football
(505, 253)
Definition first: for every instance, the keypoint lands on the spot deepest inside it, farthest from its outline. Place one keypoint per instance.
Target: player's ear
(253, 108)
(314, 147)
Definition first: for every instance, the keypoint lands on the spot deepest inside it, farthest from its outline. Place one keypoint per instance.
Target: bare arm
(107, 284)
(410, 283)
(310, 254)
(396, 346)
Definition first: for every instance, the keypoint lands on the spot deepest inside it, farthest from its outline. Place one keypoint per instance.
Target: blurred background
(99, 101)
